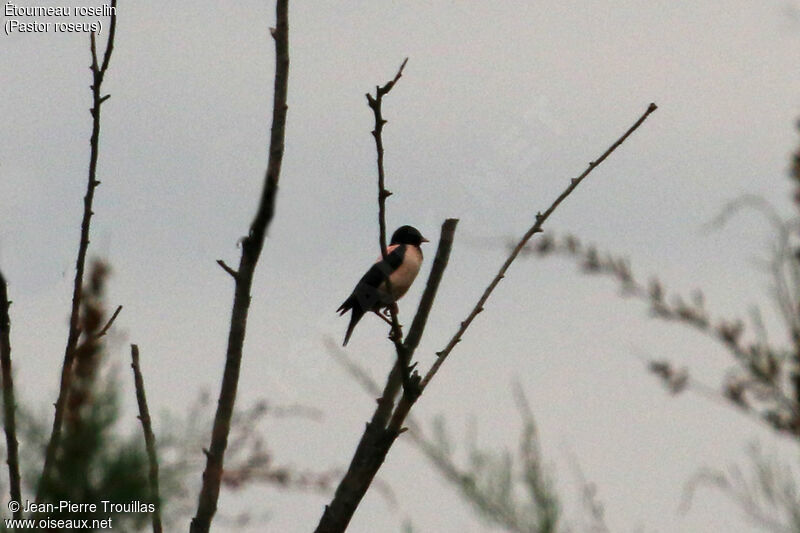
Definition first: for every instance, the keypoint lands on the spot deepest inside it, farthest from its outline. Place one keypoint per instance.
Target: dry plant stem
(375, 103)
(243, 278)
(711, 394)
(149, 437)
(376, 440)
(9, 405)
(679, 313)
(536, 228)
(110, 322)
(98, 73)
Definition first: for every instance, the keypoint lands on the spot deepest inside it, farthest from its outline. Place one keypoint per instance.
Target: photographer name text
(105, 506)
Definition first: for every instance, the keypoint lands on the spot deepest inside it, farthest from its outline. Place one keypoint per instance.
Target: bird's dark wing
(365, 295)
(381, 270)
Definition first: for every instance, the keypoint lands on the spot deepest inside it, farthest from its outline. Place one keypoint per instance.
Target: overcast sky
(500, 105)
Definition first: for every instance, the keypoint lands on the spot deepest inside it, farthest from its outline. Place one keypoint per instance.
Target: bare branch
(226, 268)
(375, 103)
(431, 288)
(110, 44)
(149, 437)
(251, 251)
(110, 322)
(72, 338)
(377, 439)
(9, 405)
(536, 228)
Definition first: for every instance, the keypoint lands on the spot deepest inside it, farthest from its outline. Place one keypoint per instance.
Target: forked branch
(98, 74)
(378, 437)
(252, 245)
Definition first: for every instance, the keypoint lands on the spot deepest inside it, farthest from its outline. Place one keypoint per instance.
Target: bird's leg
(395, 335)
(382, 317)
(386, 314)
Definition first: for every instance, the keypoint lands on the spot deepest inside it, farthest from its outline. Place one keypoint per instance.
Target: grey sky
(500, 105)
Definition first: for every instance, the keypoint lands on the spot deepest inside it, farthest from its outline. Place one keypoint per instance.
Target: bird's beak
(424, 240)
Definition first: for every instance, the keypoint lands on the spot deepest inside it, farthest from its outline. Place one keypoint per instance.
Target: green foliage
(95, 464)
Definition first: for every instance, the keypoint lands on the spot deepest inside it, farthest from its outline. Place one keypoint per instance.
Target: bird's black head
(408, 235)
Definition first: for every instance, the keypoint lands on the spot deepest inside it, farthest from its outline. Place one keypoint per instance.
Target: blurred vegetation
(99, 459)
(763, 381)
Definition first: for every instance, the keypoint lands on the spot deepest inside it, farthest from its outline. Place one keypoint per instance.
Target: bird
(401, 266)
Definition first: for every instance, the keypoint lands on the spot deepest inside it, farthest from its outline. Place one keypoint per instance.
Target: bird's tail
(346, 305)
(355, 316)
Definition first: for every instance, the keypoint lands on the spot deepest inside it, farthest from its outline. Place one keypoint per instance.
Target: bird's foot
(382, 317)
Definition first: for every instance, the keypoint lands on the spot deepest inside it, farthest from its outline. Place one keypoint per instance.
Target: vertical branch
(98, 73)
(9, 405)
(375, 103)
(243, 278)
(149, 438)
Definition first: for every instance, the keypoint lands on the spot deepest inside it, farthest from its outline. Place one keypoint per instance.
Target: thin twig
(9, 405)
(98, 73)
(536, 228)
(227, 269)
(405, 404)
(251, 251)
(149, 438)
(110, 322)
(375, 104)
